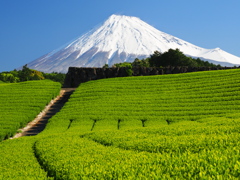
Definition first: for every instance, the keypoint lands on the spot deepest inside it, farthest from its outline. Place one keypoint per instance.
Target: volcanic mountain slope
(122, 39)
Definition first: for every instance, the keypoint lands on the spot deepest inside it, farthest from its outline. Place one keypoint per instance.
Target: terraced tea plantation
(22, 102)
(183, 126)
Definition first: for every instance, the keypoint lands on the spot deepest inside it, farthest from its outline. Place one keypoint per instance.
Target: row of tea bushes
(192, 136)
(18, 162)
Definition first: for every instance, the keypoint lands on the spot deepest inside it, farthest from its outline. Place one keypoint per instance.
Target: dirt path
(38, 124)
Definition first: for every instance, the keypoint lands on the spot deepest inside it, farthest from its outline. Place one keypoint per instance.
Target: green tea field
(22, 102)
(181, 126)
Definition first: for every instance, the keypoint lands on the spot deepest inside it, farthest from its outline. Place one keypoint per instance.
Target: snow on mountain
(122, 39)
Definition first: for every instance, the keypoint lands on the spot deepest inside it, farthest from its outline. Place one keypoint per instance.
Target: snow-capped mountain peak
(122, 38)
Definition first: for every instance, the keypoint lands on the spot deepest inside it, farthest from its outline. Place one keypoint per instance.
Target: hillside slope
(181, 126)
(176, 97)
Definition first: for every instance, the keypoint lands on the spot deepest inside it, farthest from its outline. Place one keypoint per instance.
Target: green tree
(176, 58)
(155, 58)
(24, 74)
(55, 76)
(141, 63)
(127, 65)
(8, 77)
(27, 74)
(105, 66)
(124, 64)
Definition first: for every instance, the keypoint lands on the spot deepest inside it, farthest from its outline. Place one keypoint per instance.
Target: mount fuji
(122, 39)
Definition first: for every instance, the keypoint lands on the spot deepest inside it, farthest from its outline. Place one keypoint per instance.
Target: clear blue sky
(32, 28)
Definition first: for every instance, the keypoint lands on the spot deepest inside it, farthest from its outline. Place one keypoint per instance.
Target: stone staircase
(57, 105)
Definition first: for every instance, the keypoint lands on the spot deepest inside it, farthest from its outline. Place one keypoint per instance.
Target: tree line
(157, 59)
(169, 58)
(27, 74)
